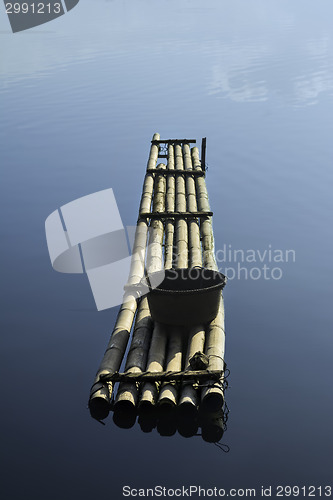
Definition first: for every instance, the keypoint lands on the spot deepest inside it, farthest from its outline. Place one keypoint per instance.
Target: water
(81, 98)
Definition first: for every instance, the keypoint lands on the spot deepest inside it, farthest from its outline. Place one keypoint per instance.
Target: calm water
(81, 98)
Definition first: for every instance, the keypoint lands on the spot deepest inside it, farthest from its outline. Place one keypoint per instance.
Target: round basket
(188, 296)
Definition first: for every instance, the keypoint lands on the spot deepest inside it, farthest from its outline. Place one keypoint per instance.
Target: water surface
(81, 98)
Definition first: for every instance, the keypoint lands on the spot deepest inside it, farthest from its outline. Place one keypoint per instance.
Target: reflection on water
(249, 61)
(250, 73)
(236, 74)
(80, 97)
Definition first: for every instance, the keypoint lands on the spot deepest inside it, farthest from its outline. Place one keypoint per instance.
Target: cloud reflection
(234, 75)
(298, 73)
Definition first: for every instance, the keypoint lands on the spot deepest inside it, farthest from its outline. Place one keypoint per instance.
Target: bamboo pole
(101, 393)
(169, 393)
(156, 229)
(194, 230)
(206, 228)
(148, 185)
(189, 399)
(212, 426)
(156, 354)
(212, 397)
(170, 207)
(181, 225)
(127, 395)
(156, 358)
(167, 401)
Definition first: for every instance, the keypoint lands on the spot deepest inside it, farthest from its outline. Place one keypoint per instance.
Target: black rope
(100, 421)
(222, 446)
(210, 385)
(167, 376)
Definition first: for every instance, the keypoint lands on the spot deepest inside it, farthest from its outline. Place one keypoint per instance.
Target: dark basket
(188, 296)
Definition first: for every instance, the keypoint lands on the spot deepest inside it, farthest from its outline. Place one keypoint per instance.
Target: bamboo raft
(175, 374)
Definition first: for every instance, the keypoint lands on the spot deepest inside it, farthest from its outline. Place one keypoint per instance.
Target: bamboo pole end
(99, 407)
(212, 401)
(124, 414)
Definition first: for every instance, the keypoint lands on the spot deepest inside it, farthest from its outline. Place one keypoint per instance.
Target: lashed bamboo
(172, 193)
(101, 392)
(181, 225)
(155, 363)
(156, 229)
(148, 184)
(193, 375)
(193, 225)
(127, 395)
(168, 396)
(212, 395)
(189, 399)
(206, 229)
(170, 207)
(169, 392)
(156, 355)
